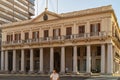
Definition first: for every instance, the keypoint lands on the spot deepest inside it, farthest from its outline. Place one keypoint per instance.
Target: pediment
(45, 16)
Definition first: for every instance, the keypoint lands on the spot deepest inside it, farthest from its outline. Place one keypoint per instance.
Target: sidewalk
(64, 75)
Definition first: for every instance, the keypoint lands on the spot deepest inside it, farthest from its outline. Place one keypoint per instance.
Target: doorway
(57, 61)
(10, 60)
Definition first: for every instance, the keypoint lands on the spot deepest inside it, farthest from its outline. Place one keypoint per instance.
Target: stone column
(103, 58)
(41, 60)
(22, 61)
(31, 61)
(6, 61)
(88, 66)
(2, 61)
(109, 58)
(51, 59)
(75, 59)
(14, 61)
(62, 60)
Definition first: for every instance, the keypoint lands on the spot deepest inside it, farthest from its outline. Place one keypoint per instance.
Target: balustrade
(57, 38)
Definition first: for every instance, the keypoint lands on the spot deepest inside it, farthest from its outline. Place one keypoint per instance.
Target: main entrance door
(57, 61)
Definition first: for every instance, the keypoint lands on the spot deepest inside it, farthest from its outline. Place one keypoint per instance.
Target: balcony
(12, 42)
(58, 38)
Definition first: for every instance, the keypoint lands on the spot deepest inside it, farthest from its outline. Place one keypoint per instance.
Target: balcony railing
(94, 34)
(26, 41)
(82, 35)
(57, 38)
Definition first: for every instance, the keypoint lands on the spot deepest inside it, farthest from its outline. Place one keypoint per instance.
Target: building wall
(108, 36)
(15, 10)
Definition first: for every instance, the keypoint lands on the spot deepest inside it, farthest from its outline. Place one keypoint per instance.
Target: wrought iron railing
(58, 38)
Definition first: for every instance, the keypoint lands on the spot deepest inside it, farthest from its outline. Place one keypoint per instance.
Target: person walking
(54, 75)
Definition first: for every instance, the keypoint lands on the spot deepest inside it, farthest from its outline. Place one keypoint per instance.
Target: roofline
(79, 13)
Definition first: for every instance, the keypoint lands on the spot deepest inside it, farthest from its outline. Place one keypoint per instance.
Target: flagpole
(46, 4)
(37, 7)
(57, 6)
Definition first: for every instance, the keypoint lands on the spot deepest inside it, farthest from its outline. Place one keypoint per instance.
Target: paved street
(62, 78)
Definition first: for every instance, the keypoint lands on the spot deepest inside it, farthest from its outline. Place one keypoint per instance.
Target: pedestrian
(54, 75)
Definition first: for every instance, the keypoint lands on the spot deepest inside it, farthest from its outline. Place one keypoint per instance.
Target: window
(9, 38)
(17, 36)
(26, 36)
(46, 33)
(68, 30)
(95, 29)
(81, 29)
(98, 51)
(56, 32)
(35, 35)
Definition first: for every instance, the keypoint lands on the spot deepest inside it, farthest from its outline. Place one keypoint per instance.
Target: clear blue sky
(75, 5)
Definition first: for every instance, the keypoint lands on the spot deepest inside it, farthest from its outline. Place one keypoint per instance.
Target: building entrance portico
(67, 59)
(84, 41)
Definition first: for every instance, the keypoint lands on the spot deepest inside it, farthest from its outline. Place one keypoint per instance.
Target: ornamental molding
(88, 11)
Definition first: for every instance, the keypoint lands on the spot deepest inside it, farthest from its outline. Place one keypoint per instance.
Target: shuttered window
(46, 33)
(35, 35)
(56, 32)
(26, 36)
(9, 37)
(95, 27)
(69, 31)
(81, 29)
(17, 36)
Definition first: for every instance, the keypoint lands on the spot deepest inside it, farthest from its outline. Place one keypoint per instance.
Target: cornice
(88, 11)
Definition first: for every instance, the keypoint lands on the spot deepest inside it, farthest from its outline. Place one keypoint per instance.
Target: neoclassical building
(86, 41)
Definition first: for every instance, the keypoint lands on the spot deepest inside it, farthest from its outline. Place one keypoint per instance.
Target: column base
(62, 73)
(40, 72)
(2, 71)
(102, 73)
(22, 72)
(76, 73)
(6, 72)
(106, 74)
(31, 72)
(13, 72)
(88, 74)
